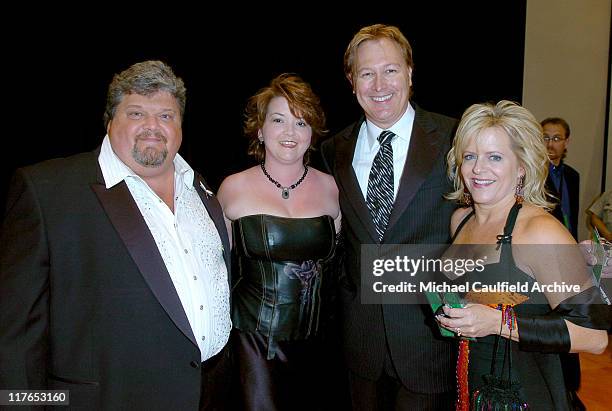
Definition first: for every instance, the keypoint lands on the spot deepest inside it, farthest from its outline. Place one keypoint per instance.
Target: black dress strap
(461, 224)
(506, 237)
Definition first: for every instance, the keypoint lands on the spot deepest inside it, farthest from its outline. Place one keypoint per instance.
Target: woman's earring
(466, 198)
(519, 192)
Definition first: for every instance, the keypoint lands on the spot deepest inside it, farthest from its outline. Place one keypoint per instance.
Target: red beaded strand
(463, 391)
(463, 359)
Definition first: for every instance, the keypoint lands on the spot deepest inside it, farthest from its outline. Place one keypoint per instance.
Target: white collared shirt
(367, 147)
(189, 244)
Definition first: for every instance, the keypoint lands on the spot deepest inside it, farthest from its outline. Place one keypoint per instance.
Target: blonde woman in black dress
(499, 165)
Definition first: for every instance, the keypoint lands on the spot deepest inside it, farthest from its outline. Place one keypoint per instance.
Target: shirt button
(203, 338)
(195, 277)
(186, 252)
(201, 307)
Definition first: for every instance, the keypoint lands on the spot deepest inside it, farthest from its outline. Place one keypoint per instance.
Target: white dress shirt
(189, 244)
(367, 147)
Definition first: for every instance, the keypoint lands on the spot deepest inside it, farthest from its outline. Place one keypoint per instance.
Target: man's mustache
(150, 133)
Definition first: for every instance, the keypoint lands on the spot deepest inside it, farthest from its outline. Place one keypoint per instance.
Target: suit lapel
(347, 180)
(423, 151)
(133, 231)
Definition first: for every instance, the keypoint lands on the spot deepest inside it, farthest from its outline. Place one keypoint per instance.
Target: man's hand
(588, 251)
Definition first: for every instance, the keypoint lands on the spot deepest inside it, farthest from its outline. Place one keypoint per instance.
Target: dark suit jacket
(572, 179)
(570, 362)
(424, 362)
(86, 302)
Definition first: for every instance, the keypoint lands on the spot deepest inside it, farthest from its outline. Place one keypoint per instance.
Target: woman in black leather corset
(499, 164)
(284, 218)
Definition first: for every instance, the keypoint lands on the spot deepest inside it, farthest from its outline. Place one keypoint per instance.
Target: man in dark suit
(114, 265)
(395, 359)
(563, 181)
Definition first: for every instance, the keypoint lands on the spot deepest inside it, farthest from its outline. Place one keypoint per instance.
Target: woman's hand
(474, 320)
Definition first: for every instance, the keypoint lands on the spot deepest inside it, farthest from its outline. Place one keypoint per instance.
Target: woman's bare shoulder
(324, 178)
(537, 226)
(235, 184)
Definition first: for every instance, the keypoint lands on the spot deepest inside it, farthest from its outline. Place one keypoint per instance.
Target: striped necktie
(380, 193)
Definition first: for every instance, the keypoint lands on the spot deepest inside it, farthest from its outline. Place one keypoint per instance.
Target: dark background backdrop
(57, 71)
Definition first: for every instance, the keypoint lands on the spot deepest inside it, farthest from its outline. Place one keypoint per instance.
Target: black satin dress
(280, 309)
(538, 372)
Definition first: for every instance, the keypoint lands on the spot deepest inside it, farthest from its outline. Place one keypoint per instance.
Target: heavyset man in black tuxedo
(395, 359)
(114, 265)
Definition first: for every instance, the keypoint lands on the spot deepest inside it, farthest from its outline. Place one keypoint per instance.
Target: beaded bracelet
(508, 315)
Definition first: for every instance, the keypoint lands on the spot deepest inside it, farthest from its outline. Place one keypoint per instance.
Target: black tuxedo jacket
(424, 361)
(572, 179)
(86, 302)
